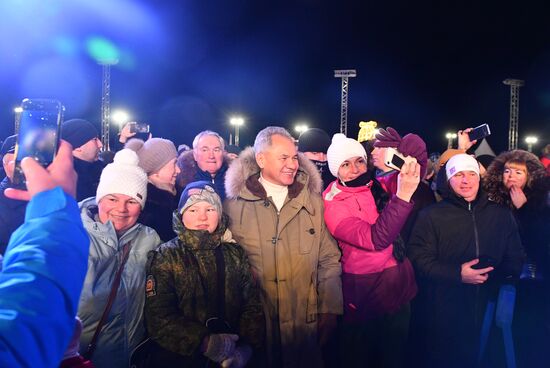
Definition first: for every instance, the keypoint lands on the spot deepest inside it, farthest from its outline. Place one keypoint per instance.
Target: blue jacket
(124, 328)
(43, 270)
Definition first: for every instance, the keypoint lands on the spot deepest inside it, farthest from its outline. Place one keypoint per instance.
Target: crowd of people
(309, 253)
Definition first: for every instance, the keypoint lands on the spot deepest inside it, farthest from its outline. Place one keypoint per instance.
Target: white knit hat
(461, 162)
(341, 149)
(123, 176)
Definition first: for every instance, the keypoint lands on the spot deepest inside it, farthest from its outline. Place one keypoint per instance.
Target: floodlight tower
(344, 74)
(514, 84)
(106, 101)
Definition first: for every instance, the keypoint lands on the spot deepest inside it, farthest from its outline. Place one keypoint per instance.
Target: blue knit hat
(199, 191)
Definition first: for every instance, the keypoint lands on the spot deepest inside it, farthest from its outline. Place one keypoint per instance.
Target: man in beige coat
(276, 214)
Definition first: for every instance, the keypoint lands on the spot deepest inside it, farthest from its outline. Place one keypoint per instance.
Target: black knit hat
(78, 132)
(314, 140)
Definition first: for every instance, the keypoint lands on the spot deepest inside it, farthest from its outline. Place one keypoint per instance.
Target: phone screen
(139, 128)
(397, 161)
(38, 133)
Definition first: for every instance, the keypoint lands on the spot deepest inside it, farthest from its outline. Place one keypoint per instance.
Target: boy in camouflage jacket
(182, 290)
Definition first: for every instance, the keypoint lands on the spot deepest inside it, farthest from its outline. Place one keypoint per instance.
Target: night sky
(185, 66)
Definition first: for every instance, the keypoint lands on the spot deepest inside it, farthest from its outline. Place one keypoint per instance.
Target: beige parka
(292, 254)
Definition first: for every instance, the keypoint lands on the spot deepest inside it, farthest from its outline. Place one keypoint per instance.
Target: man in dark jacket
(12, 211)
(206, 161)
(462, 249)
(314, 143)
(83, 136)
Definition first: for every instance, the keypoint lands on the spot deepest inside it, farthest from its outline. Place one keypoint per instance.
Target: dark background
(185, 66)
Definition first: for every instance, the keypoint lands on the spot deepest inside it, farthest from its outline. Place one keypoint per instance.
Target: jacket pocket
(307, 237)
(311, 308)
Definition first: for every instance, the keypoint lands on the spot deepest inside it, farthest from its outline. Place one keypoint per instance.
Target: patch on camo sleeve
(150, 286)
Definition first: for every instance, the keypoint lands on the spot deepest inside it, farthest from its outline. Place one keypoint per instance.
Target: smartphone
(479, 132)
(38, 134)
(484, 262)
(395, 159)
(139, 128)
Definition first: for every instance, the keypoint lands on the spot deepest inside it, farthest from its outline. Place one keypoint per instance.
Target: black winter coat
(88, 178)
(158, 212)
(12, 214)
(445, 236)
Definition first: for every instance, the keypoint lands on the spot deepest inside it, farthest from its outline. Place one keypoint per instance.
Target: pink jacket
(364, 236)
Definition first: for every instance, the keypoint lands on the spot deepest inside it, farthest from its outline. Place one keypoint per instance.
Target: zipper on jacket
(476, 239)
(476, 235)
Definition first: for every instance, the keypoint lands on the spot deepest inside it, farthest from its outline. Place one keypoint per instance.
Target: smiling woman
(377, 280)
(118, 244)
(122, 210)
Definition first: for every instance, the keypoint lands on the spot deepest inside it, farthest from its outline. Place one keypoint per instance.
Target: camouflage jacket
(177, 304)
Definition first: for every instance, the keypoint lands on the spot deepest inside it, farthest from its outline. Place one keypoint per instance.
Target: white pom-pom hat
(123, 176)
(341, 149)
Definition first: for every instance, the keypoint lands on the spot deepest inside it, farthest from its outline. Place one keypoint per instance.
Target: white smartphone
(395, 159)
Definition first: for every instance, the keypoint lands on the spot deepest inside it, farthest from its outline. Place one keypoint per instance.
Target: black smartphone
(139, 128)
(397, 161)
(479, 132)
(38, 134)
(484, 262)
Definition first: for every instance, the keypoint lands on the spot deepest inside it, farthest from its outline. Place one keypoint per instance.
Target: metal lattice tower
(105, 105)
(345, 75)
(514, 84)
(106, 101)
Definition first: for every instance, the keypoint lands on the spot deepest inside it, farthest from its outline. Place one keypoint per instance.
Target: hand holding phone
(471, 274)
(139, 127)
(38, 134)
(479, 132)
(408, 180)
(484, 262)
(395, 159)
(59, 173)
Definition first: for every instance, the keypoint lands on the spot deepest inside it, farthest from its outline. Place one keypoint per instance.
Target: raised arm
(37, 299)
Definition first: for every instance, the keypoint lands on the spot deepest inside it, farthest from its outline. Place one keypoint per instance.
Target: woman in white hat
(117, 242)
(377, 286)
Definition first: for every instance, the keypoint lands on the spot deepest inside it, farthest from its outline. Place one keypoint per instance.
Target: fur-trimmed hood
(244, 169)
(538, 183)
